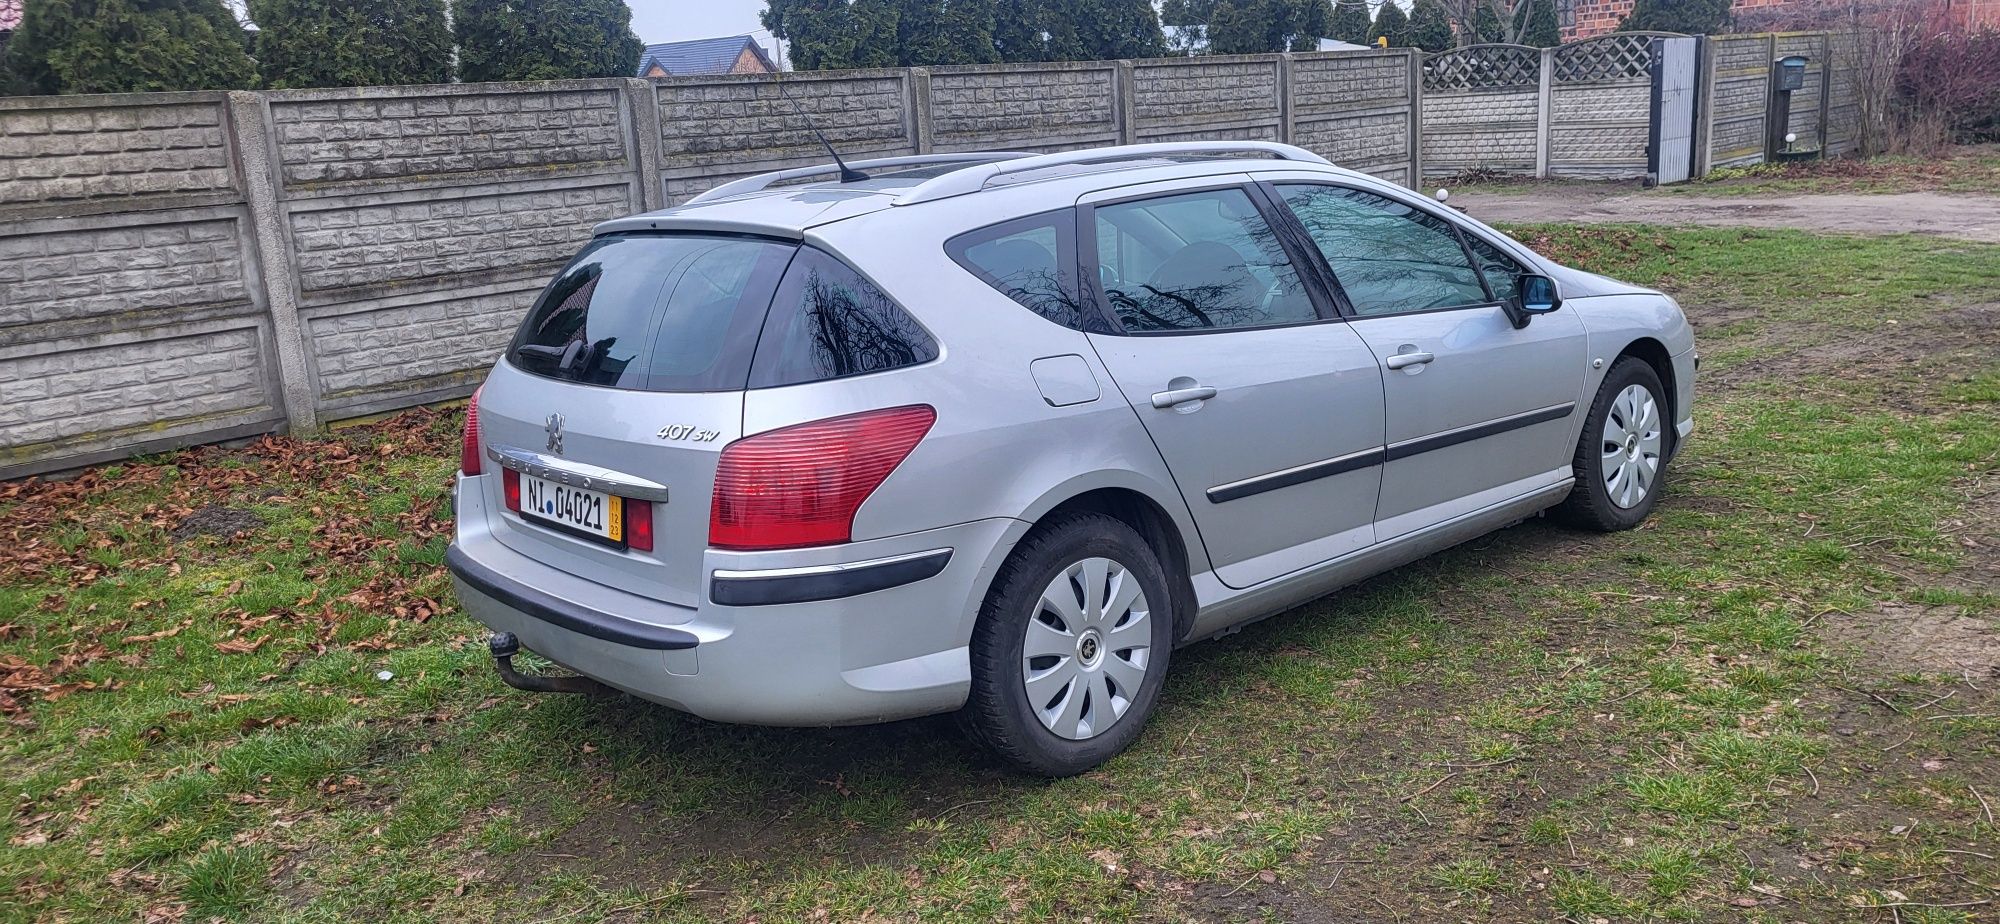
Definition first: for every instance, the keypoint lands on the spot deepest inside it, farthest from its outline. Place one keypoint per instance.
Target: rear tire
(1089, 594)
(1621, 456)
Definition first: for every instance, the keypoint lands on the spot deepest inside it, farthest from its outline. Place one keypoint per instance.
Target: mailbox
(1791, 73)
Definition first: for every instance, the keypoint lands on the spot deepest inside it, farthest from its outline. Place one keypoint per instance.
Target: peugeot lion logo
(554, 427)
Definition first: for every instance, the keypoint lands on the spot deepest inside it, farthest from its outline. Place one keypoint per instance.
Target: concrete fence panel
(131, 318)
(1845, 72)
(1357, 109)
(1220, 98)
(1482, 110)
(717, 129)
(1739, 98)
(422, 220)
(1023, 107)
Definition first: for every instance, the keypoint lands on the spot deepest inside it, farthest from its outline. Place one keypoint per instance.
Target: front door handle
(1167, 399)
(1400, 360)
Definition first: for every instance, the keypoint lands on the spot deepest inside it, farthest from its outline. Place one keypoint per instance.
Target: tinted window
(1389, 257)
(653, 312)
(1198, 261)
(828, 322)
(1502, 272)
(1029, 260)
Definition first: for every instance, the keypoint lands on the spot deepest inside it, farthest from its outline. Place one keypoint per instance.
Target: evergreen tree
(1350, 22)
(825, 35)
(1391, 23)
(1691, 17)
(1312, 20)
(944, 32)
(1017, 31)
(122, 46)
(1108, 29)
(351, 43)
(1064, 42)
(544, 39)
(1189, 20)
(873, 34)
(1535, 23)
(1430, 26)
(1485, 24)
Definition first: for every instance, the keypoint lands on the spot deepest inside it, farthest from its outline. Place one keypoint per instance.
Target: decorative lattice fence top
(1618, 56)
(1483, 67)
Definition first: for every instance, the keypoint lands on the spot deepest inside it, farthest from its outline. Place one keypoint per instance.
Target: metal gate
(1670, 147)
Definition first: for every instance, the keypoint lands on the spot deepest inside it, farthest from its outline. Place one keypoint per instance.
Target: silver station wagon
(995, 433)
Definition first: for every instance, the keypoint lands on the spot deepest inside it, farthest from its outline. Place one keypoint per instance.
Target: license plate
(592, 514)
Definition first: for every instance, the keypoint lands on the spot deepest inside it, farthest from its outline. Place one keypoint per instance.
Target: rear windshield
(654, 312)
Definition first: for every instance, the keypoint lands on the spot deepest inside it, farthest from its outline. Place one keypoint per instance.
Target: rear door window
(1196, 261)
(830, 322)
(654, 312)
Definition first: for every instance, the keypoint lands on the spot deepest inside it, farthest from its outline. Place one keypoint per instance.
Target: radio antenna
(847, 174)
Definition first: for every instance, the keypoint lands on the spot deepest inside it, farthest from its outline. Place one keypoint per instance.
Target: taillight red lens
(510, 487)
(639, 524)
(468, 450)
(801, 485)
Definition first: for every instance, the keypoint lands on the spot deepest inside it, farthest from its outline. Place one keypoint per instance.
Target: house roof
(700, 56)
(10, 15)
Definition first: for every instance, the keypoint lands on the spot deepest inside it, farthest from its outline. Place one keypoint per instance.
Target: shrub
(351, 43)
(1946, 82)
(544, 39)
(123, 46)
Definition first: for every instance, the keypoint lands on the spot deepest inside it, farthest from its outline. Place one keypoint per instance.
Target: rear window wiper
(561, 356)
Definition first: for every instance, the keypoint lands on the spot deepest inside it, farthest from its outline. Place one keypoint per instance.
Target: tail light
(468, 451)
(801, 485)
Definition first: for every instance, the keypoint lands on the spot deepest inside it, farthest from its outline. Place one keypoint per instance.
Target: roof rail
(975, 178)
(762, 180)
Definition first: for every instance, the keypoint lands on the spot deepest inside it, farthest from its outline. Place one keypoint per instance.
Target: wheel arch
(1163, 522)
(1654, 353)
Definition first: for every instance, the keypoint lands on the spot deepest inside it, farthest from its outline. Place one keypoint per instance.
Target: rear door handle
(1400, 360)
(1167, 399)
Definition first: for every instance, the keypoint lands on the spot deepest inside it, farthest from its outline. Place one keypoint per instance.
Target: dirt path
(1957, 215)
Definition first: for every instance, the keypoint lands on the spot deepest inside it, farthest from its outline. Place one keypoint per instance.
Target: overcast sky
(675, 20)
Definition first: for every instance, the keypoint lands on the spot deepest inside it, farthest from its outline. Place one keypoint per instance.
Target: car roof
(760, 205)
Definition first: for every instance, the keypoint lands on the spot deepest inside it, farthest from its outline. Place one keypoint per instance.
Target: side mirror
(1535, 294)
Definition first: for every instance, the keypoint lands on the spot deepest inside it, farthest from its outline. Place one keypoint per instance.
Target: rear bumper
(868, 632)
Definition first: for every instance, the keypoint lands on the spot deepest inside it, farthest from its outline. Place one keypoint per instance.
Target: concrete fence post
(1545, 102)
(1704, 101)
(642, 108)
(1122, 102)
(920, 110)
(1415, 58)
(252, 150)
(1285, 75)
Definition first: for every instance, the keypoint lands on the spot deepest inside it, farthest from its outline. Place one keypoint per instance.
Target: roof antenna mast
(847, 174)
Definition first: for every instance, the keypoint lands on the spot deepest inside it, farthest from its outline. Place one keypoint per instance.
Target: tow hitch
(505, 646)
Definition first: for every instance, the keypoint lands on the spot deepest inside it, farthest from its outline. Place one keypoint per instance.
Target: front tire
(1621, 456)
(1071, 647)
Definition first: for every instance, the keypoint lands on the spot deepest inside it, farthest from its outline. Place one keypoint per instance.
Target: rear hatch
(628, 374)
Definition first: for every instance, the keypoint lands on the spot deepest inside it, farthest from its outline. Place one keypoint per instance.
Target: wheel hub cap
(1631, 442)
(1087, 650)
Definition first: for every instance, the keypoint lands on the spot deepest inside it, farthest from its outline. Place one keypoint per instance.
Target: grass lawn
(1970, 169)
(235, 685)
